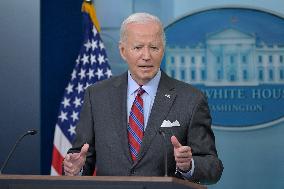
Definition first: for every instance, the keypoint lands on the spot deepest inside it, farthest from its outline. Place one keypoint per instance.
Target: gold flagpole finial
(88, 7)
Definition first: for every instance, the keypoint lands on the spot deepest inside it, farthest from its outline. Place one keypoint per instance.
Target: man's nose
(146, 54)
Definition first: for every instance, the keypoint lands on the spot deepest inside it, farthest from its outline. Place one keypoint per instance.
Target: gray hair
(141, 18)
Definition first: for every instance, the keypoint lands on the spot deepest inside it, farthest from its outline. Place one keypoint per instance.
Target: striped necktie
(136, 125)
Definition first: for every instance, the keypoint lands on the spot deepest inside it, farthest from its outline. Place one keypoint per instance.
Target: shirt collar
(150, 87)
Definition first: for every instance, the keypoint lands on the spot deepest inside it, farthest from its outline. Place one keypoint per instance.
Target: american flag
(91, 66)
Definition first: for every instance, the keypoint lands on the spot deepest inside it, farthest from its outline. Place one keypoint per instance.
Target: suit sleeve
(208, 167)
(85, 134)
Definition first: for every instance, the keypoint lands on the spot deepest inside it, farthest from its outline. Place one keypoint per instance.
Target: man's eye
(137, 48)
(155, 48)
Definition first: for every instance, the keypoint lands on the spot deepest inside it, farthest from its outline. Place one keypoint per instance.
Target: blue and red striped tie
(136, 125)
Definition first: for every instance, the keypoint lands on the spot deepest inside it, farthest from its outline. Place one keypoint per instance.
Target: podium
(93, 182)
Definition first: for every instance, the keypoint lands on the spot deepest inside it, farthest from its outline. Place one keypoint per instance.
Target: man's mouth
(148, 66)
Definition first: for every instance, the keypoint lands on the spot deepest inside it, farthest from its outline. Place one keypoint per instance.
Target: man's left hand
(182, 155)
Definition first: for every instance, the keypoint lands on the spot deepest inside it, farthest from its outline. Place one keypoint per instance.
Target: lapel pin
(167, 95)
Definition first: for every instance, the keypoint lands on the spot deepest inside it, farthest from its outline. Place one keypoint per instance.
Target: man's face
(143, 50)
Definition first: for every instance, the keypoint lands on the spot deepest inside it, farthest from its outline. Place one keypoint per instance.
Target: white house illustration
(229, 57)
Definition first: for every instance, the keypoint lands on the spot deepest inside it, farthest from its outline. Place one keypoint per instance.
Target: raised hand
(73, 162)
(182, 155)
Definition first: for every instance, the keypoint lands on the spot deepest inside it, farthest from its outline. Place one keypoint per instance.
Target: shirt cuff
(80, 173)
(187, 175)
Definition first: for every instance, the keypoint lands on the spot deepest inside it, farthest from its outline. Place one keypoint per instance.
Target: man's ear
(122, 50)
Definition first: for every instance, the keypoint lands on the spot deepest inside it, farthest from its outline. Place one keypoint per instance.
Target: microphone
(29, 132)
(162, 133)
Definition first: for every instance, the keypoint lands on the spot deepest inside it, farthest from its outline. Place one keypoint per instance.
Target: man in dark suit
(115, 139)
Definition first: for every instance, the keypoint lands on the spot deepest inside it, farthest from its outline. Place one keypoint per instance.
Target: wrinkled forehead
(144, 26)
(144, 29)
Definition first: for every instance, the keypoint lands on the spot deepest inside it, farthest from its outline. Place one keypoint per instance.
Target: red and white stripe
(60, 147)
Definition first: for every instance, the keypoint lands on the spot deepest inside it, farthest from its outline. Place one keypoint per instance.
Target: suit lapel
(163, 102)
(119, 104)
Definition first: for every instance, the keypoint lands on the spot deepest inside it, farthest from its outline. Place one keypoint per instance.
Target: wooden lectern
(93, 182)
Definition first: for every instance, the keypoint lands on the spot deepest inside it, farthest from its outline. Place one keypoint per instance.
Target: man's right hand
(74, 162)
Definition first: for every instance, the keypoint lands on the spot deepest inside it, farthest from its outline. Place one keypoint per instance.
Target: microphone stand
(162, 133)
(30, 132)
